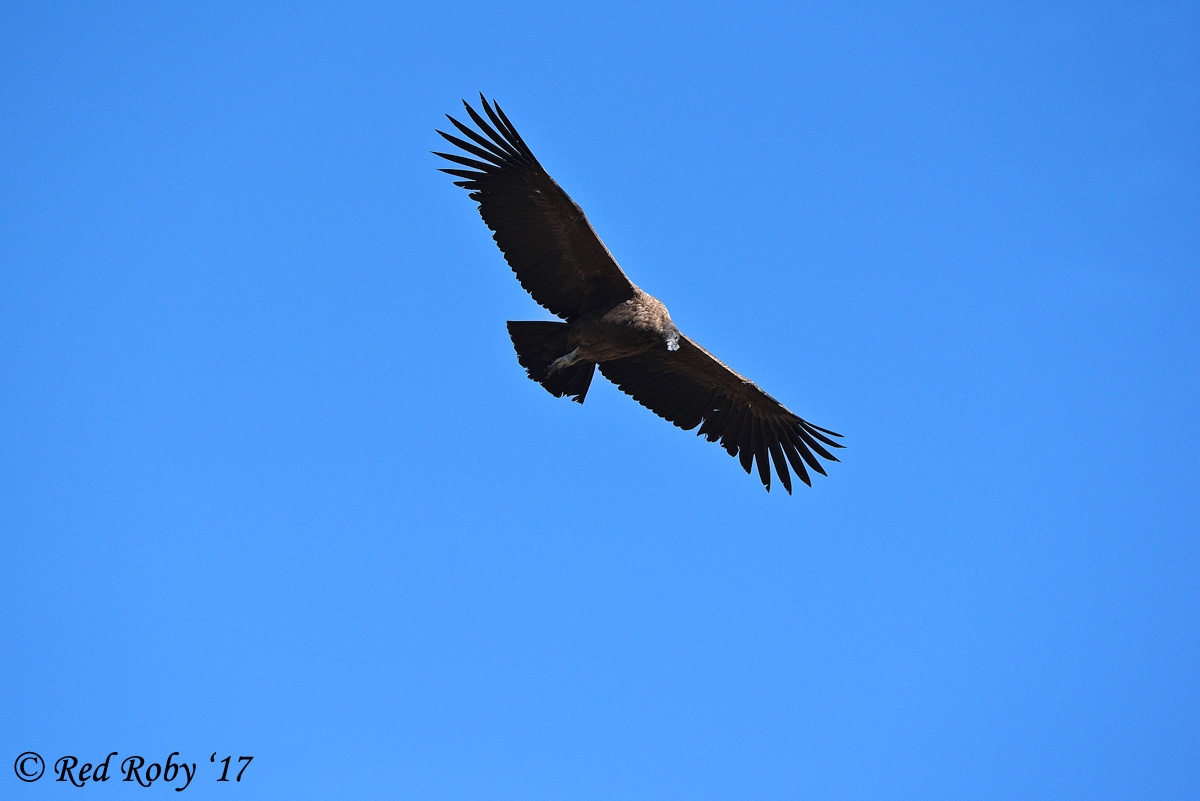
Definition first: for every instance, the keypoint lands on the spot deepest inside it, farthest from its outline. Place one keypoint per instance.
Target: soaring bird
(609, 321)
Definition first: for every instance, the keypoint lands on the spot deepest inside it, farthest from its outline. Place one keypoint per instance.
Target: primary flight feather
(610, 322)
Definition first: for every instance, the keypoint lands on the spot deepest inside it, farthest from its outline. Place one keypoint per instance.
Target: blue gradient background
(272, 481)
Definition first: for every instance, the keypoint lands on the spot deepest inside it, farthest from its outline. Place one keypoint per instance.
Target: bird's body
(624, 329)
(609, 321)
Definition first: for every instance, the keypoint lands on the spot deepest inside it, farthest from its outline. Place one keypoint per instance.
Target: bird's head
(670, 335)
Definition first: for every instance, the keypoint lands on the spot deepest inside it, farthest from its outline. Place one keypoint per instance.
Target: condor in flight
(561, 262)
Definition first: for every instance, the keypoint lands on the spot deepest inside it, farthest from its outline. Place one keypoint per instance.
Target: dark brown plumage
(610, 322)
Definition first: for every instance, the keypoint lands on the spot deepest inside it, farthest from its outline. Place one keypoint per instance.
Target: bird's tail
(538, 344)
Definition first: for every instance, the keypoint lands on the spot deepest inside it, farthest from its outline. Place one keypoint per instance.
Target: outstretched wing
(691, 387)
(544, 235)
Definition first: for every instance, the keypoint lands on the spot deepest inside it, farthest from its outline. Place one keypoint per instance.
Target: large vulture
(561, 262)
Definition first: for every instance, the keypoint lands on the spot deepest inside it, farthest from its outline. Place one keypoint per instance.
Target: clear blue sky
(272, 482)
